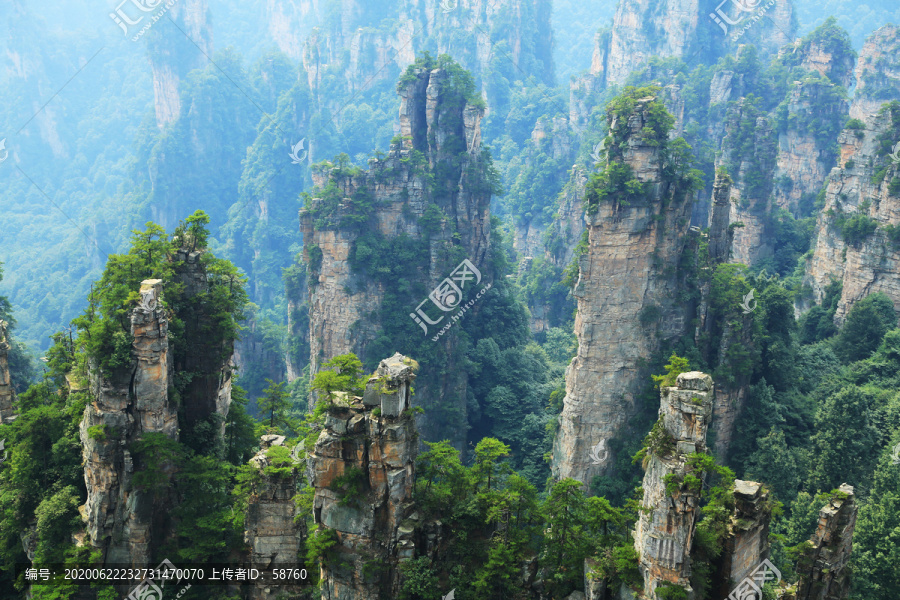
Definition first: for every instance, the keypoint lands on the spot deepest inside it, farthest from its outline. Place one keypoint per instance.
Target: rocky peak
(7, 393)
(363, 471)
(434, 117)
(431, 192)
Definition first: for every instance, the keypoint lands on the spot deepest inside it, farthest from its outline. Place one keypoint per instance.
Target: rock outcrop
(7, 393)
(822, 567)
(663, 537)
(363, 471)
(856, 241)
(626, 294)
(127, 404)
(428, 197)
(272, 531)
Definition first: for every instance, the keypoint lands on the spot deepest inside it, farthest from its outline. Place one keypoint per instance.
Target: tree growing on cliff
(342, 373)
(274, 405)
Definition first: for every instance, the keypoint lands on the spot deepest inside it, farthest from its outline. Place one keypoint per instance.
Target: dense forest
(655, 258)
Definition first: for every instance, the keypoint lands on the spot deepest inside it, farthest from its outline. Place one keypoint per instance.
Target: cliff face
(877, 72)
(363, 469)
(7, 393)
(803, 162)
(864, 259)
(169, 59)
(126, 405)
(822, 565)
(754, 163)
(318, 32)
(663, 537)
(626, 295)
(402, 209)
(686, 29)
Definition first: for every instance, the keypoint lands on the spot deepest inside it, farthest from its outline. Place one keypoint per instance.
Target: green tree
(565, 541)
(675, 367)
(844, 438)
(866, 324)
(342, 373)
(273, 406)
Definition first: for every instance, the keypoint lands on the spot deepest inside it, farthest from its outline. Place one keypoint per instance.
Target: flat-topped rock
(747, 488)
(694, 380)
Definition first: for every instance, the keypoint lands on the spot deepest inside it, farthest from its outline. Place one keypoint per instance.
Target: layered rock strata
(864, 258)
(437, 174)
(363, 471)
(7, 393)
(822, 568)
(626, 295)
(125, 405)
(663, 537)
(272, 531)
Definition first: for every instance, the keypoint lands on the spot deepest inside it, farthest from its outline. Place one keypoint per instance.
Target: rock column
(272, 533)
(126, 404)
(363, 470)
(822, 567)
(664, 536)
